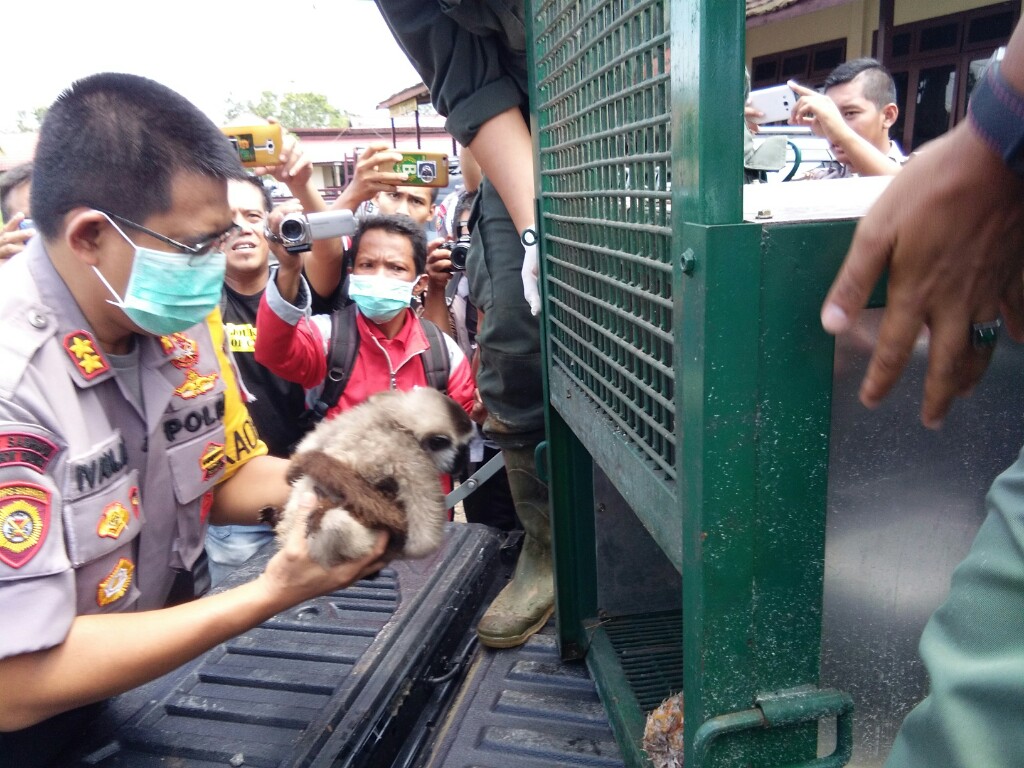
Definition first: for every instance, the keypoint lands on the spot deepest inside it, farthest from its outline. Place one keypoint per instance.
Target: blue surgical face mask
(169, 292)
(379, 298)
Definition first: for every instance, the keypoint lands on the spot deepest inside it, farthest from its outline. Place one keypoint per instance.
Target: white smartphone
(776, 103)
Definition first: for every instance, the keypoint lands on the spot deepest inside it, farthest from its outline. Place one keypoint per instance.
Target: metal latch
(782, 708)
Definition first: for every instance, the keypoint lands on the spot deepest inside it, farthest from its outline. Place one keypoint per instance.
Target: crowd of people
(159, 370)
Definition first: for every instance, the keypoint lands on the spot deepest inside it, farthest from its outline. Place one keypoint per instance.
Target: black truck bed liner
(385, 673)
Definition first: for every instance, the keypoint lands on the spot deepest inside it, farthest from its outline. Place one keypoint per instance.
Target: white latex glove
(531, 272)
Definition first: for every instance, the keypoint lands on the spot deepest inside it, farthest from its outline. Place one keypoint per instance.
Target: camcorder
(299, 230)
(460, 250)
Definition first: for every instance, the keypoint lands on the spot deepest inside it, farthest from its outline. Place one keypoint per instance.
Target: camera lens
(459, 253)
(292, 229)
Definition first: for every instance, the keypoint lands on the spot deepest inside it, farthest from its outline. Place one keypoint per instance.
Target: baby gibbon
(375, 467)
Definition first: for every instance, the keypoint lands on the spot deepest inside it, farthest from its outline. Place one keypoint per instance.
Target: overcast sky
(207, 50)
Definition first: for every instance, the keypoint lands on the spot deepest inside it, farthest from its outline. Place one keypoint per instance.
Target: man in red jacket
(388, 258)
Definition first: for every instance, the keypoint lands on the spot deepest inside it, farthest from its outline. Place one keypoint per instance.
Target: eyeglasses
(199, 249)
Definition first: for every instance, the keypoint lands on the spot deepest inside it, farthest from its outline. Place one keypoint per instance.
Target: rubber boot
(526, 602)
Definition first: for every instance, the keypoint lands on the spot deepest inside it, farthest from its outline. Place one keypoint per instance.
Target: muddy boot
(526, 602)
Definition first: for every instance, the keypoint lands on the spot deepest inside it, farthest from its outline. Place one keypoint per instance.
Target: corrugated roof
(761, 7)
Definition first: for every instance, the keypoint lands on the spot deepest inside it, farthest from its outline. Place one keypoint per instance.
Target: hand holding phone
(257, 145)
(776, 103)
(423, 169)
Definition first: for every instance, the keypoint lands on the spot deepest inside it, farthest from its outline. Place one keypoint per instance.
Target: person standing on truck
(950, 231)
(472, 55)
(123, 427)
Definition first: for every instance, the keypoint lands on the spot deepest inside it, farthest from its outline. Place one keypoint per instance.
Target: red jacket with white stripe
(294, 345)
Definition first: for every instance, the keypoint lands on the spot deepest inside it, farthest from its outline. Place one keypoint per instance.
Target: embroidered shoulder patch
(24, 521)
(117, 583)
(113, 521)
(86, 354)
(26, 450)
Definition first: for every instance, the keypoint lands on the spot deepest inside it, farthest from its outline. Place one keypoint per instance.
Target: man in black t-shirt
(278, 404)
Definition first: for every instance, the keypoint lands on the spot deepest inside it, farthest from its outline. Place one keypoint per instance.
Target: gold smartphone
(256, 144)
(424, 169)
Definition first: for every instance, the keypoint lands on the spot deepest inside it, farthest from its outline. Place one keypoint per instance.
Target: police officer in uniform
(122, 428)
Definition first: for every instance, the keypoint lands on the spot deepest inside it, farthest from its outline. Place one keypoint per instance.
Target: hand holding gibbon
(375, 467)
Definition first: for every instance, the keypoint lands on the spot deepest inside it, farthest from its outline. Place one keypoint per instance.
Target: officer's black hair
(879, 87)
(14, 177)
(396, 224)
(115, 141)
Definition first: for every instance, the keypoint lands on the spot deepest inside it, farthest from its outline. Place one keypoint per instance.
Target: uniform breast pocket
(99, 523)
(195, 467)
(101, 502)
(193, 441)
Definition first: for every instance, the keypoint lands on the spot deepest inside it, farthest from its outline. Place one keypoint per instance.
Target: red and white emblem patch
(24, 521)
(183, 351)
(134, 500)
(117, 583)
(85, 352)
(26, 450)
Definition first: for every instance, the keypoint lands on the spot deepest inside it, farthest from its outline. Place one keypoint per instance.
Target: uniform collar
(86, 362)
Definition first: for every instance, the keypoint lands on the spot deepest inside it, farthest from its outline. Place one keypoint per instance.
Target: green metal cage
(686, 361)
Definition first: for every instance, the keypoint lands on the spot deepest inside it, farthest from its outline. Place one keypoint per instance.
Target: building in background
(934, 49)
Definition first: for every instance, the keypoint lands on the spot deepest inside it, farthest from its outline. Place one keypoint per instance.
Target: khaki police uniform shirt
(103, 499)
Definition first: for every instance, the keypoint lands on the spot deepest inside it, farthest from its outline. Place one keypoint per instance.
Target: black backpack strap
(436, 364)
(344, 345)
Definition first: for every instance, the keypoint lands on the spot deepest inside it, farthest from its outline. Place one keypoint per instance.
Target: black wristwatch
(997, 112)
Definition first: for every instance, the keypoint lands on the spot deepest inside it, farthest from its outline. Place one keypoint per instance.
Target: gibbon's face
(441, 428)
(448, 455)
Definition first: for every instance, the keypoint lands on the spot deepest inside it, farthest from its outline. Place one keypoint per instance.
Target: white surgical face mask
(168, 292)
(380, 298)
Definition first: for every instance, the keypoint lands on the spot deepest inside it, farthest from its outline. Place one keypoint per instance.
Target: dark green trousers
(973, 648)
(509, 377)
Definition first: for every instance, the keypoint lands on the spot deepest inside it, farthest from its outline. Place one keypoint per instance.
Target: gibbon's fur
(375, 467)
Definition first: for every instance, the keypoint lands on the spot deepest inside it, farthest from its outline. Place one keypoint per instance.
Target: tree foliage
(293, 110)
(29, 122)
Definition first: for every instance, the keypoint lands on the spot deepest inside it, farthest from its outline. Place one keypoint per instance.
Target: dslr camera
(299, 230)
(460, 250)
